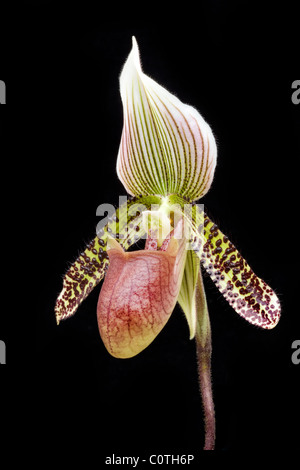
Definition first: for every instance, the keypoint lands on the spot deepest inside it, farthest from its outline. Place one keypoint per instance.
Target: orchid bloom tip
(166, 145)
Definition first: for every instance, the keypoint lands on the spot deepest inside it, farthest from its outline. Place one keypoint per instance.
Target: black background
(62, 126)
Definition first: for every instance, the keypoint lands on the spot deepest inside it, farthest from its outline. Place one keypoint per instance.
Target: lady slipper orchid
(166, 162)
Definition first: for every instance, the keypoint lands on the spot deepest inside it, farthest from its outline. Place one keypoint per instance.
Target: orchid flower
(166, 162)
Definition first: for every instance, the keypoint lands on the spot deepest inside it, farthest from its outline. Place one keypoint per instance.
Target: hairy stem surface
(203, 344)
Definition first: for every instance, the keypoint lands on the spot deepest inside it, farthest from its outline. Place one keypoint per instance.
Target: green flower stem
(203, 345)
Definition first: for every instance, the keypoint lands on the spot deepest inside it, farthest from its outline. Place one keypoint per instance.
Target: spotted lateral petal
(249, 295)
(90, 267)
(166, 146)
(83, 275)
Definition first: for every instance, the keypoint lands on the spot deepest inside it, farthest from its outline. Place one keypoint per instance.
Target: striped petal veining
(166, 146)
